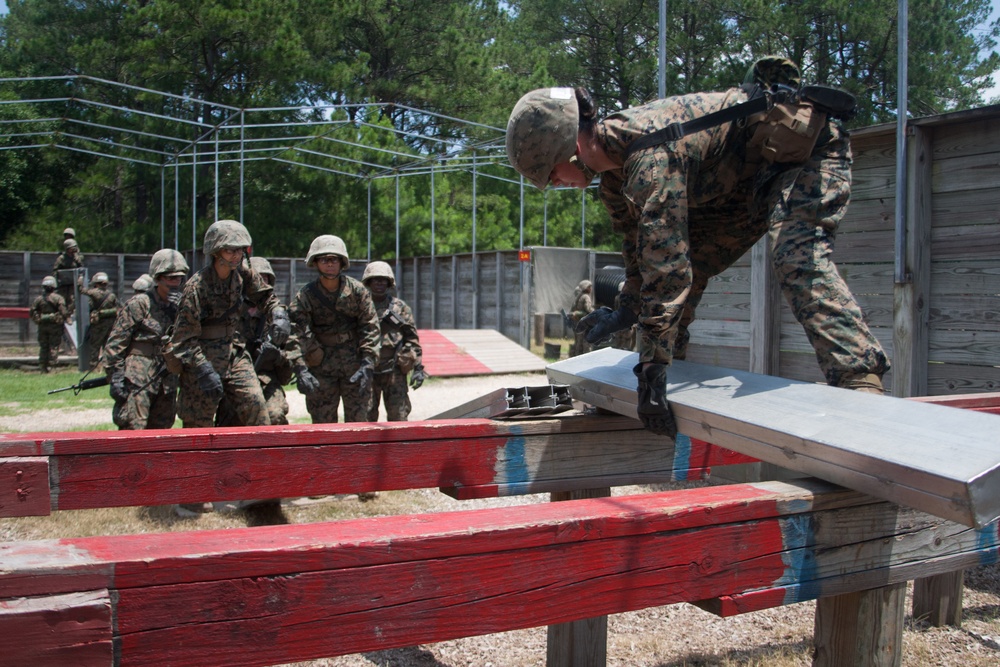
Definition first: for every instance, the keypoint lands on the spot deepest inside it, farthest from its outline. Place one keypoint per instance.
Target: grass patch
(28, 391)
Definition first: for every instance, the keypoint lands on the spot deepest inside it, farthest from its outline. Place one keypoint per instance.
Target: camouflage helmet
(226, 234)
(584, 285)
(328, 244)
(262, 266)
(142, 283)
(70, 243)
(378, 270)
(69, 231)
(770, 71)
(542, 132)
(169, 262)
(49, 282)
(99, 277)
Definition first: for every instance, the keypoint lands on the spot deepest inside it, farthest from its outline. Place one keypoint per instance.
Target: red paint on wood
(705, 454)
(157, 478)
(987, 402)
(24, 486)
(441, 357)
(267, 620)
(14, 313)
(126, 561)
(73, 629)
(741, 603)
(94, 442)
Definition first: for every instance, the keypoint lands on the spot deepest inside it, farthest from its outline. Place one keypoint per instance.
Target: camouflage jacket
(252, 331)
(583, 305)
(333, 332)
(103, 303)
(399, 345)
(209, 313)
(136, 341)
(67, 261)
(660, 185)
(51, 307)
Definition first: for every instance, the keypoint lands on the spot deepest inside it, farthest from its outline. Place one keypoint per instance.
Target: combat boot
(654, 411)
(869, 383)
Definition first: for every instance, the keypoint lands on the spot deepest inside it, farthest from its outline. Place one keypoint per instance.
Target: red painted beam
(14, 313)
(24, 486)
(71, 629)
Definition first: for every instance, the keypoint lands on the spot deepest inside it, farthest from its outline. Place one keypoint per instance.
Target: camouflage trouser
(800, 207)
(66, 292)
(580, 345)
(391, 388)
(97, 336)
(241, 388)
(153, 407)
(324, 403)
(49, 340)
(274, 400)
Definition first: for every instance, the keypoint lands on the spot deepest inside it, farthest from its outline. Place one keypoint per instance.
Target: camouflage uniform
(624, 339)
(135, 347)
(205, 330)
(582, 306)
(103, 310)
(272, 373)
(67, 260)
(48, 312)
(335, 332)
(688, 209)
(399, 353)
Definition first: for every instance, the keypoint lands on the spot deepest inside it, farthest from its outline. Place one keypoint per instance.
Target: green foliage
(402, 73)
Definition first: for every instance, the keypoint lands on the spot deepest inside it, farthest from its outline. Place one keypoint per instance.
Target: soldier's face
(232, 257)
(379, 286)
(566, 175)
(328, 265)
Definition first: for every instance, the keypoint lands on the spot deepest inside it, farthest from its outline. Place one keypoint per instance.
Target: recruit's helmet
(378, 270)
(584, 285)
(69, 231)
(542, 132)
(142, 283)
(226, 234)
(49, 282)
(262, 266)
(328, 245)
(99, 277)
(70, 243)
(167, 262)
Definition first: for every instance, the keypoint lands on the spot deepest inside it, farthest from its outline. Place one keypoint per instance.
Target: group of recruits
(217, 348)
(56, 306)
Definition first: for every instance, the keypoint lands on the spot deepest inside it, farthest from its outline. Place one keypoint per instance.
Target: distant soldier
(399, 347)
(205, 341)
(69, 258)
(144, 388)
(583, 305)
(69, 233)
(103, 310)
(48, 311)
(336, 343)
(269, 360)
(142, 283)
(624, 339)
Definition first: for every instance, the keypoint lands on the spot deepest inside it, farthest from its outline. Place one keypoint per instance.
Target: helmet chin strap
(587, 172)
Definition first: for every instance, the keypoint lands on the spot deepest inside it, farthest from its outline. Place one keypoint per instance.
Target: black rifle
(84, 384)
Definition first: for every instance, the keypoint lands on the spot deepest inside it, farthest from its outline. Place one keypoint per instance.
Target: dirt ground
(671, 636)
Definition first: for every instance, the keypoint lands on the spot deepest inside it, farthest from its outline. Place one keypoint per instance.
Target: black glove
(281, 327)
(603, 322)
(652, 407)
(418, 376)
(208, 380)
(308, 384)
(266, 358)
(363, 376)
(117, 387)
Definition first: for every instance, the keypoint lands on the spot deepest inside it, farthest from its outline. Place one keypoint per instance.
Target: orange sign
(524, 255)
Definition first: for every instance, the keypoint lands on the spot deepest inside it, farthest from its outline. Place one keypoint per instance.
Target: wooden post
(539, 328)
(582, 643)
(938, 599)
(863, 629)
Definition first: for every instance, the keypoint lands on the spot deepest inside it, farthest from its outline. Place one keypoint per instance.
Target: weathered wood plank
(24, 486)
(466, 458)
(68, 629)
(863, 628)
(285, 593)
(929, 457)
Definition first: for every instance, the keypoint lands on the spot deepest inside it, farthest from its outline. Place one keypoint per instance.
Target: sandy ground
(671, 636)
